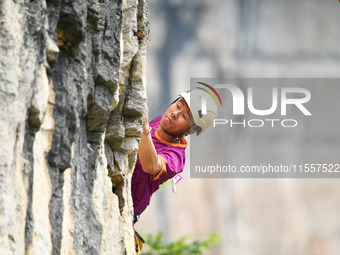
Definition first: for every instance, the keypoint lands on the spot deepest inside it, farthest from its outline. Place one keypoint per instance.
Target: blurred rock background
(245, 38)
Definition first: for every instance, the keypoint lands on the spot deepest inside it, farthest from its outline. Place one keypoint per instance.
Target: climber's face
(177, 119)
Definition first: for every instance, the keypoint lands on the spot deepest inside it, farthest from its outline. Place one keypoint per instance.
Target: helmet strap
(178, 137)
(172, 135)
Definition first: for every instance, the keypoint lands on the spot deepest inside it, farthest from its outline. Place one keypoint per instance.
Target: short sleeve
(154, 178)
(174, 161)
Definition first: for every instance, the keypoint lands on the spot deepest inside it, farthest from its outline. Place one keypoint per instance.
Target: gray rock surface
(72, 93)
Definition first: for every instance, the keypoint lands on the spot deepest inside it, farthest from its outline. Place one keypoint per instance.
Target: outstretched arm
(147, 153)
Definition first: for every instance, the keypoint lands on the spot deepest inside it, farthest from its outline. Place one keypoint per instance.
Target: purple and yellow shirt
(143, 185)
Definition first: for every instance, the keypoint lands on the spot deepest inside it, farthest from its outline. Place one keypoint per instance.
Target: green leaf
(180, 246)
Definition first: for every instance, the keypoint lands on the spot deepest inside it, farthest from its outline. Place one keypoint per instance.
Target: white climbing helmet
(194, 100)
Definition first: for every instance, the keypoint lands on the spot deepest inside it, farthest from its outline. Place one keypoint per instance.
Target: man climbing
(161, 154)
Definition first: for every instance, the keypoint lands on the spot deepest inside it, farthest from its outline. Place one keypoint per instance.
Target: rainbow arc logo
(209, 93)
(203, 110)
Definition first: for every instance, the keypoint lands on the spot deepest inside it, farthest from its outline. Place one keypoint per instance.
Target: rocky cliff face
(72, 89)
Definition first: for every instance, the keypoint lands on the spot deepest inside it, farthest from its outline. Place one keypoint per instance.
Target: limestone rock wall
(72, 93)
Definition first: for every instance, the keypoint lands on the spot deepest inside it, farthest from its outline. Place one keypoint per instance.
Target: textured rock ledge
(72, 88)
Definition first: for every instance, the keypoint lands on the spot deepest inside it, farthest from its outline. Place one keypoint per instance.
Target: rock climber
(161, 154)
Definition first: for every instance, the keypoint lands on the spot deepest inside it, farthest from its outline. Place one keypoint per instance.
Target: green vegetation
(155, 246)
